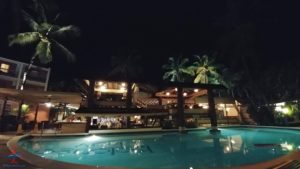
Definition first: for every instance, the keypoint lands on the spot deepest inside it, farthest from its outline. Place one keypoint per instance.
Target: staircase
(245, 116)
(147, 102)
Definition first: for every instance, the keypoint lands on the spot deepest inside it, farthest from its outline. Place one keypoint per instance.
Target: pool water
(196, 149)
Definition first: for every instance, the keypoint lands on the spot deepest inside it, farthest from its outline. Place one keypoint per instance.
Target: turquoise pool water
(196, 149)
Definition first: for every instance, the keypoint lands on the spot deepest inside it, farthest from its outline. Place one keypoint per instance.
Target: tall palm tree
(205, 70)
(176, 69)
(126, 66)
(45, 35)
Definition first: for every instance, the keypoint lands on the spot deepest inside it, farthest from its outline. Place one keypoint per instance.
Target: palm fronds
(30, 21)
(23, 38)
(43, 51)
(69, 55)
(66, 31)
(176, 69)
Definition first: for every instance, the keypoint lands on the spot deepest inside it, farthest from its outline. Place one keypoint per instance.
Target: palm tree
(205, 70)
(44, 35)
(176, 69)
(127, 66)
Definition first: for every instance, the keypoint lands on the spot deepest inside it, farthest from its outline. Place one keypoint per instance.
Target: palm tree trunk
(129, 95)
(211, 109)
(91, 95)
(19, 114)
(3, 114)
(27, 71)
(128, 101)
(36, 112)
(180, 109)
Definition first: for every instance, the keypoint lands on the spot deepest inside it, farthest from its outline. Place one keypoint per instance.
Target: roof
(120, 111)
(218, 100)
(35, 96)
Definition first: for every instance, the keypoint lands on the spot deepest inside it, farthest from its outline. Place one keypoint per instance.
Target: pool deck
(5, 153)
(12, 160)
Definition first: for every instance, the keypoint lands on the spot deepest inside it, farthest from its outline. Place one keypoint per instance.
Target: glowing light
(280, 104)
(191, 106)
(168, 93)
(227, 109)
(196, 90)
(205, 107)
(232, 141)
(122, 89)
(279, 109)
(176, 89)
(48, 104)
(77, 152)
(191, 167)
(25, 107)
(4, 68)
(100, 83)
(123, 84)
(287, 147)
(285, 110)
(227, 148)
(222, 105)
(92, 138)
(102, 88)
(184, 94)
(47, 152)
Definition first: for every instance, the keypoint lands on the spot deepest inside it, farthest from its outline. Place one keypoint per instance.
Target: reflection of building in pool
(153, 106)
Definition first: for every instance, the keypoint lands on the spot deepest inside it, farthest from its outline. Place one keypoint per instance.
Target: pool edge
(38, 161)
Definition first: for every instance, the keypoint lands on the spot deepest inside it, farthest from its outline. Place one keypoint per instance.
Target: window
(4, 68)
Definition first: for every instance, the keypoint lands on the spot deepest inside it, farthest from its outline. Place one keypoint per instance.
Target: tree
(45, 36)
(126, 66)
(205, 70)
(176, 69)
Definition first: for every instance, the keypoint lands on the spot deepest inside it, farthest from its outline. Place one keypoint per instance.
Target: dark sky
(266, 33)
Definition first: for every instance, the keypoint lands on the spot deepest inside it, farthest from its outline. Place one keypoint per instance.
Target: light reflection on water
(197, 149)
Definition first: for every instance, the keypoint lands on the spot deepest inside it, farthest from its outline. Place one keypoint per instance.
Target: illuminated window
(4, 68)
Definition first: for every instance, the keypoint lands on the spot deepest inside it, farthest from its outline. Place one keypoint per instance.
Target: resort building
(11, 75)
(151, 106)
(105, 104)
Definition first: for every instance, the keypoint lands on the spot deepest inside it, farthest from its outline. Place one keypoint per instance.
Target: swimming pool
(196, 149)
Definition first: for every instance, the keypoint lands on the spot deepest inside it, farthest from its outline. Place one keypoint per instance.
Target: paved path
(8, 160)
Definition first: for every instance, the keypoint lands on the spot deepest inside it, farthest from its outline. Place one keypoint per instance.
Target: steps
(245, 116)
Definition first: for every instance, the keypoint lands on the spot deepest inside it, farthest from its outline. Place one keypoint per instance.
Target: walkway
(9, 160)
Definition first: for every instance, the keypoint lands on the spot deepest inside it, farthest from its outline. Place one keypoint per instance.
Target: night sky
(266, 33)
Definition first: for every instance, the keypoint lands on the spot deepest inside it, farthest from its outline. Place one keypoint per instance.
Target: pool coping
(50, 164)
(47, 163)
